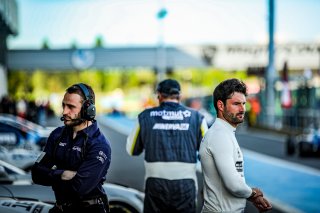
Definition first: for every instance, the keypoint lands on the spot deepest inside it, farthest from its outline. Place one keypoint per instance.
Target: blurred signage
(208, 54)
(82, 59)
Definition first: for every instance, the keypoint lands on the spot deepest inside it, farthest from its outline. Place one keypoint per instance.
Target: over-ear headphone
(88, 109)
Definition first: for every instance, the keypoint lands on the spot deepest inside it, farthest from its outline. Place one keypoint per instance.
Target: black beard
(231, 118)
(76, 122)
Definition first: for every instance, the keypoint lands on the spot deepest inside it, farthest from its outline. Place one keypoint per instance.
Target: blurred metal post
(161, 50)
(3, 63)
(319, 60)
(270, 74)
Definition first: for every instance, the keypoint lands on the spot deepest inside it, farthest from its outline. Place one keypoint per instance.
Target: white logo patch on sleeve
(102, 157)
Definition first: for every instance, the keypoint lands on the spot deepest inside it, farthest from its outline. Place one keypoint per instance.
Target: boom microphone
(77, 119)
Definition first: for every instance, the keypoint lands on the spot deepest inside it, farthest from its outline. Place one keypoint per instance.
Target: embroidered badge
(102, 157)
(76, 148)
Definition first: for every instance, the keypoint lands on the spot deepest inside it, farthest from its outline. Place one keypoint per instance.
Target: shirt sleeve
(43, 171)
(134, 144)
(222, 152)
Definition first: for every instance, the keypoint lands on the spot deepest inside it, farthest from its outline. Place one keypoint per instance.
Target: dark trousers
(174, 196)
(80, 207)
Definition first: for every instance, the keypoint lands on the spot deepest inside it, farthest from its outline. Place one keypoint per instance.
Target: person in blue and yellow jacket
(76, 157)
(170, 134)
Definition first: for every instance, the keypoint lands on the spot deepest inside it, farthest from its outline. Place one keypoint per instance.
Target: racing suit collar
(90, 130)
(226, 124)
(169, 103)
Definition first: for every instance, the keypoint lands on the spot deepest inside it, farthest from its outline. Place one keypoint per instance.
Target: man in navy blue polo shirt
(77, 156)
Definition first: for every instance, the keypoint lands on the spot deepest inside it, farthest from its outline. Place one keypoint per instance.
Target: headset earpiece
(88, 109)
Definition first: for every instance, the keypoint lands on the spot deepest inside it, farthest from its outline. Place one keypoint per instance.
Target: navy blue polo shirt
(89, 154)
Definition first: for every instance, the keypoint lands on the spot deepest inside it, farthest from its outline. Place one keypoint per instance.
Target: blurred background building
(125, 74)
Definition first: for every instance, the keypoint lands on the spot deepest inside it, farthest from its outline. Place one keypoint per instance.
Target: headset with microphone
(88, 109)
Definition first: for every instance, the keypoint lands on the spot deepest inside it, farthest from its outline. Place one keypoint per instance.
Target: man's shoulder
(99, 142)
(98, 137)
(216, 131)
(192, 110)
(147, 111)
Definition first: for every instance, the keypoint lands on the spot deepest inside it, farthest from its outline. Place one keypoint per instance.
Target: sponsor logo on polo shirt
(170, 126)
(171, 115)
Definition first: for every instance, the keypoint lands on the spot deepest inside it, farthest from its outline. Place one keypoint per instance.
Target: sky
(188, 22)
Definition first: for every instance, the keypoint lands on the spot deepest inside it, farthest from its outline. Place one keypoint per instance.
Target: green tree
(74, 45)
(45, 44)
(99, 42)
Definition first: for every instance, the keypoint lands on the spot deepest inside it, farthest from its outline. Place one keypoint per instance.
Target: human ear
(220, 105)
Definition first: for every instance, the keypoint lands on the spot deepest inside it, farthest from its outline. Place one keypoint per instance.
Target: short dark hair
(75, 89)
(226, 89)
